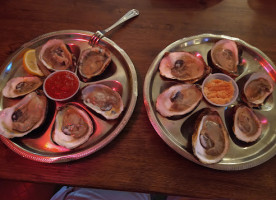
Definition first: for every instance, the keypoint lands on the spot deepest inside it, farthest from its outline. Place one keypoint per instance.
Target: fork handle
(130, 14)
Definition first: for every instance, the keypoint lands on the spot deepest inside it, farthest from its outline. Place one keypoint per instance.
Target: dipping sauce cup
(219, 89)
(61, 85)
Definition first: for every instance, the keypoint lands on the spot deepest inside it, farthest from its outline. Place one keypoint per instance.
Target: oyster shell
(247, 127)
(178, 100)
(25, 116)
(55, 55)
(103, 100)
(257, 88)
(20, 86)
(73, 126)
(183, 66)
(225, 57)
(210, 139)
(93, 61)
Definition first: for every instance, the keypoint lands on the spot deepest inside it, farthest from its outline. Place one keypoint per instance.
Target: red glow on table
(61, 85)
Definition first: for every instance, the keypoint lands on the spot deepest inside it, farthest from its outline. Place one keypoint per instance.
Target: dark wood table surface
(138, 159)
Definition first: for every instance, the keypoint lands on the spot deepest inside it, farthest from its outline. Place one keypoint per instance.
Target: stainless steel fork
(96, 37)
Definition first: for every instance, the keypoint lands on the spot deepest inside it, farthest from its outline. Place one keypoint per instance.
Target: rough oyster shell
(55, 55)
(210, 139)
(73, 126)
(178, 100)
(25, 116)
(257, 88)
(103, 100)
(20, 86)
(225, 57)
(183, 66)
(93, 61)
(247, 127)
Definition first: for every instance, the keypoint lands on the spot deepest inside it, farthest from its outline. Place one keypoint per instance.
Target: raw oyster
(225, 57)
(178, 100)
(25, 116)
(210, 139)
(183, 66)
(103, 100)
(20, 86)
(73, 126)
(55, 55)
(257, 88)
(93, 61)
(247, 127)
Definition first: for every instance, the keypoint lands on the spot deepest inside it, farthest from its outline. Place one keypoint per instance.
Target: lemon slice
(30, 64)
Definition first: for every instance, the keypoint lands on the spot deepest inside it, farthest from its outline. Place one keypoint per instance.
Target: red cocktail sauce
(61, 85)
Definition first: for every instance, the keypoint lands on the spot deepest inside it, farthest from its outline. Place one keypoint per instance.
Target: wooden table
(138, 159)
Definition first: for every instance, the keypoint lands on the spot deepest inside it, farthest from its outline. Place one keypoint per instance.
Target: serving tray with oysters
(211, 98)
(63, 99)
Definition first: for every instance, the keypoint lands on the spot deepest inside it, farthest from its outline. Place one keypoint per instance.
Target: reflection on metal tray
(177, 132)
(120, 74)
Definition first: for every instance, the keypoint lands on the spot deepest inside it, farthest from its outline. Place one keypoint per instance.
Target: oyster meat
(55, 55)
(93, 61)
(183, 66)
(225, 57)
(28, 114)
(247, 127)
(20, 86)
(210, 139)
(73, 126)
(178, 100)
(103, 100)
(257, 88)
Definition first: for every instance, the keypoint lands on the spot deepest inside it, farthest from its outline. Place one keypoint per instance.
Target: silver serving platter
(177, 132)
(119, 75)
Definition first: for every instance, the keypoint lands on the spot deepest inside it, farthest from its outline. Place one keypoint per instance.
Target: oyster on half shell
(183, 66)
(20, 86)
(247, 127)
(178, 100)
(55, 55)
(73, 126)
(257, 88)
(103, 100)
(210, 139)
(93, 61)
(28, 114)
(225, 57)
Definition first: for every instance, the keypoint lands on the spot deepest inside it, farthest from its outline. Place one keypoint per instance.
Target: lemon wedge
(30, 64)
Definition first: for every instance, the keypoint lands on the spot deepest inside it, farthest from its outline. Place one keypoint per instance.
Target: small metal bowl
(61, 85)
(224, 77)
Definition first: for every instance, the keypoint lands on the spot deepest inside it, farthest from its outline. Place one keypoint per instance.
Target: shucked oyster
(210, 139)
(183, 66)
(257, 88)
(55, 55)
(93, 61)
(178, 100)
(103, 100)
(247, 127)
(20, 86)
(25, 116)
(225, 57)
(73, 127)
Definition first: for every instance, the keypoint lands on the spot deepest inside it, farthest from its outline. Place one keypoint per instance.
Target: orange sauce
(219, 91)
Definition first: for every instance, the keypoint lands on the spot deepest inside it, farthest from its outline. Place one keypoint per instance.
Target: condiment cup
(224, 77)
(61, 85)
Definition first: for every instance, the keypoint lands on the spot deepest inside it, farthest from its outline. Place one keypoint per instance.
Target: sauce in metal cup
(61, 85)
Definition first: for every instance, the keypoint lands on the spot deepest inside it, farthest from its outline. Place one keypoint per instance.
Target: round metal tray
(120, 75)
(177, 132)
